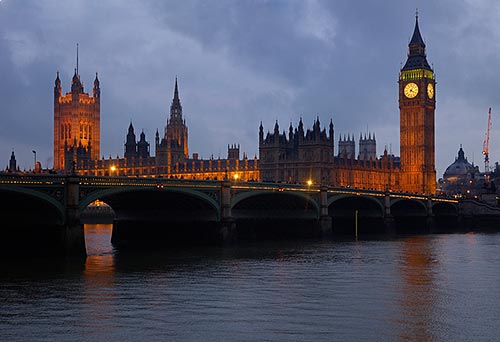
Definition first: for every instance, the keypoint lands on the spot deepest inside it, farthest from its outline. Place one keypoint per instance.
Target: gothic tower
(130, 144)
(417, 105)
(76, 121)
(173, 148)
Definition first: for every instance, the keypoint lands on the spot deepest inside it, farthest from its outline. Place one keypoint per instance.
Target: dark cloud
(242, 62)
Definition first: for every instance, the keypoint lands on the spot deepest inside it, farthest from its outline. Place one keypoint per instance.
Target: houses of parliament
(297, 156)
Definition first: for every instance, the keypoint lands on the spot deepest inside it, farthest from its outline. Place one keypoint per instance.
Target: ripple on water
(421, 288)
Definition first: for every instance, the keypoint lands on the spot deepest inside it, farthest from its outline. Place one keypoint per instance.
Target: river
(414, 288)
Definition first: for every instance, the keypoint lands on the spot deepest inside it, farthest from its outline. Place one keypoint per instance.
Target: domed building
(461, 177)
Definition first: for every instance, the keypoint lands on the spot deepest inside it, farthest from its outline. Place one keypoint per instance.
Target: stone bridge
(41, 213)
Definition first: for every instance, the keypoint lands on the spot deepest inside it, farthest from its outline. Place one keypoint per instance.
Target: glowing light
(112, 168)
(235, 176)
(309, 182)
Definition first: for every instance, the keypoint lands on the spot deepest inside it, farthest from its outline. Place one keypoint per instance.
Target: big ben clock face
(430, 90)
(411, 90)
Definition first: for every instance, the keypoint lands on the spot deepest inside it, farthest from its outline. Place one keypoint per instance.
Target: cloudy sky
(243, 62)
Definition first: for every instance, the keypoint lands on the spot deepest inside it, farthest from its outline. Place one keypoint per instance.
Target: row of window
(85, 131)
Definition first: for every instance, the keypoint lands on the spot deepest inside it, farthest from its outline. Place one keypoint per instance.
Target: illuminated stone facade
(308, 156)
(296, 156)
(417, 103)
(172, 158)
(304, 157)
(77, 134)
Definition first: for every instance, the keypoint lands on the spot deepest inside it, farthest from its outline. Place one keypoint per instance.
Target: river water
(418, 288)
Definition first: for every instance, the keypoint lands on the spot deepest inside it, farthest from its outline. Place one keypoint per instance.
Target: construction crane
(486, 149)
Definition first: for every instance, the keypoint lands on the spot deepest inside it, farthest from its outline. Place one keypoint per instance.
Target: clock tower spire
(417, 105)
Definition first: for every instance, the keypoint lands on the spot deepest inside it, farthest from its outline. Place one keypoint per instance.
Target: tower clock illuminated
(417, 103)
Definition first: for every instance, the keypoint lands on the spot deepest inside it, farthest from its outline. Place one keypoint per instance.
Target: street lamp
(34, 152)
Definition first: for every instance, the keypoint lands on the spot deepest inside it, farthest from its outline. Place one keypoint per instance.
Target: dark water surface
(420, 288)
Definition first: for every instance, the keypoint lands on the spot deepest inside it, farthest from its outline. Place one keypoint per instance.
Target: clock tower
(417, 103)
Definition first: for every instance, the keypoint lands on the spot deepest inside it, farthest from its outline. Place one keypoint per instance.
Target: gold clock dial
(411, 90)
(430, 90)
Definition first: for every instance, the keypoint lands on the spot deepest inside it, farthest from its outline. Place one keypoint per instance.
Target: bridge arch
(271, 196)
(263, 214)
(32, 223)
(366, 199)
(444, 208)
(445, 216)
(113, 193)
(408, 206)
(410, 215)
(351, 211)
(157, 217)
(12, 197)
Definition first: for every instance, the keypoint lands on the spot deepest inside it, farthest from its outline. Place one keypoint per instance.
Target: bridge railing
(144, 181)
(160, 182)
(31, 179)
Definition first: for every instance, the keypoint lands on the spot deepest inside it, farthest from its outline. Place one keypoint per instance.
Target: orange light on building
(309, 182)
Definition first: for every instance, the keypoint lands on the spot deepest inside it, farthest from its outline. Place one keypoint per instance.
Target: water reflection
(98, 295)
(100, 262)
(417, 267)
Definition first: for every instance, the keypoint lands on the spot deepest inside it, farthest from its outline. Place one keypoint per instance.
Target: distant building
(296, 156)
(76, 123)
(12, 163)
(171, 159)
(309, 156)
(463, 179)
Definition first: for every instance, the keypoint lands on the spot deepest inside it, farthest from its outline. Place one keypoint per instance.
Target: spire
(416, 39)
(58, 81)
(57, 88)
(176, 108)
(461, 154)
(96, 92)
(416, 54)
(176, 91)
(76, 84)
(76, 70)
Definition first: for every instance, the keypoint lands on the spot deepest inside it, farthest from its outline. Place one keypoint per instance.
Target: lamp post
(34, 152)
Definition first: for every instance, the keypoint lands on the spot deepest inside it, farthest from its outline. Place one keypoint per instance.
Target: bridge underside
(351, 213)
(275, 215)
(30, 226)
(161, 218)
(445, 218)
(410, 217)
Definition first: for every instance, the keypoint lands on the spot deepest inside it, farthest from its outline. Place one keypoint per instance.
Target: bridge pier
(73, 232)
(325, 220)
(430, 222)
(389, 222)
(227, 224)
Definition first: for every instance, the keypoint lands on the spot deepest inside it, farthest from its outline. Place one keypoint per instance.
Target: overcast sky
(243, 62)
